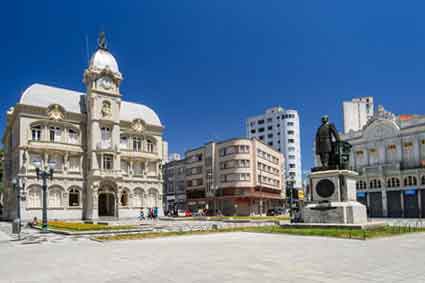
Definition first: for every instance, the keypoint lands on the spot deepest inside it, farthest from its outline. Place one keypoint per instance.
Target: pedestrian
(155, 212)
(142, 214)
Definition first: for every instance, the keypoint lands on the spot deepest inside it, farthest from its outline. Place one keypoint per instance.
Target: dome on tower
(102, 59)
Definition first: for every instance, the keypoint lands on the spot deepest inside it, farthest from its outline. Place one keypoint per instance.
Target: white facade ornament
(106, 109)
(138, 125)
(55, 112)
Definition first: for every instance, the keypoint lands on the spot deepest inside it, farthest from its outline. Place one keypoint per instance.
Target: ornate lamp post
(44, 174)
(290, 186)
(19, 187)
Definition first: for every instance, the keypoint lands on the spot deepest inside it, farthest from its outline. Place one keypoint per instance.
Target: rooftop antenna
(87, 47)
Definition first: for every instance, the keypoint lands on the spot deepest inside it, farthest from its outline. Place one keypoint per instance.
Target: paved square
(229, 257)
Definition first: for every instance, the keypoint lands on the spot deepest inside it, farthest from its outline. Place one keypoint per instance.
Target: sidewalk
(5, 231)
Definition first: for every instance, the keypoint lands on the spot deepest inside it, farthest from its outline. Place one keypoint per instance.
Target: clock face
(106, 83)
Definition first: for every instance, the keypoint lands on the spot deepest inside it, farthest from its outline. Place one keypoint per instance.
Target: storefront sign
(361, 194)
(410, 192)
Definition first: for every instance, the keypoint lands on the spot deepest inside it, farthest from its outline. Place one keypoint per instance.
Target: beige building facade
(106, 152)
(235, 177)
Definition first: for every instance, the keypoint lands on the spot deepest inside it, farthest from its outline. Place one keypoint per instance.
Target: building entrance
(106, 204)
(394, 204)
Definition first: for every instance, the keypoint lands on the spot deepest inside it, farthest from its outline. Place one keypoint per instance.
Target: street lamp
(290, 185)
(44, 174)
(18, 186)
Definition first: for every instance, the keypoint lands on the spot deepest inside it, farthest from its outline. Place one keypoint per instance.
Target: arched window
(393, 182)
(150, 145)
(36, 133)
(74, 197)
(139, 196)
(375, 184)
(410, 181)
(124, 198)
(361, 185)
(423, 180)
(55, 197)
(34, 197)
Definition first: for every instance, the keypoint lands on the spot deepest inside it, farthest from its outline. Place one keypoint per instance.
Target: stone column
(45, 133)
(130, 169)
(384, 203)
(65, 164)
(419, 196)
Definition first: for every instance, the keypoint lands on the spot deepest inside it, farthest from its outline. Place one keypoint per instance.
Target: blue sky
(204, 66)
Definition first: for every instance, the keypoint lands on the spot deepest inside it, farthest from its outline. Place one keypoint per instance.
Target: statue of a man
(101, 42)
(326, 139)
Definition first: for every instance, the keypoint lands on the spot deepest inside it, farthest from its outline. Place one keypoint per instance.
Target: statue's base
(347, 212)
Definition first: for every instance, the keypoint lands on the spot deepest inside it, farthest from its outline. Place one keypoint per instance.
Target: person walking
(142, 214)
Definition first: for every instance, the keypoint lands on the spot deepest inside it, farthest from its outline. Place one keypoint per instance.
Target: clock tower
(103, 105)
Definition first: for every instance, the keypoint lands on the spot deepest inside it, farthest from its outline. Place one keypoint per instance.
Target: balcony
(63, 146)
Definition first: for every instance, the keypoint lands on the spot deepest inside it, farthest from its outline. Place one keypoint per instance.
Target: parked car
(276, 211)
(187, 213)
(181, 213)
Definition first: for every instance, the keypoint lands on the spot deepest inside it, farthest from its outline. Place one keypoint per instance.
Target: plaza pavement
(228, 257)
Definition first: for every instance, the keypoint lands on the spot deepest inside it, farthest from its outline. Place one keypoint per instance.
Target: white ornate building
(389, 154)
(107, 152)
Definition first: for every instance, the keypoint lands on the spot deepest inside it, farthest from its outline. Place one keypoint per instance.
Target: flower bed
(78, 226)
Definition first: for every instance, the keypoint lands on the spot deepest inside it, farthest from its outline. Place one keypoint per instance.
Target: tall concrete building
(357, 112)
(280, 129)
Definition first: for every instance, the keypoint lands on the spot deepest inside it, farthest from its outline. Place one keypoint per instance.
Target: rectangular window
(124, 166)
(106, 137)
(108, 162)
(261, 130)
(260, 122)
(72, 136)
(124, 142)
(137, 144)
(291, 141)
(291, 132)
(36, 160)
(56, 160)
(74, 163)
(36, 133)
(55, 134)
(138, 168)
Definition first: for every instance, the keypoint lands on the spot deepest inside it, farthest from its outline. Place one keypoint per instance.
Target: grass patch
(76, 226)
(344, 233)
(265, 218)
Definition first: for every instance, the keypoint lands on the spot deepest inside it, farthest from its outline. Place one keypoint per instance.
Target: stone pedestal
(334, 199)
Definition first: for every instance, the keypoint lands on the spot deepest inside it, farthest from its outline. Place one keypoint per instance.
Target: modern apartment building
(236, 177)
(174, 185)
(280, 129)
(357, 112)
